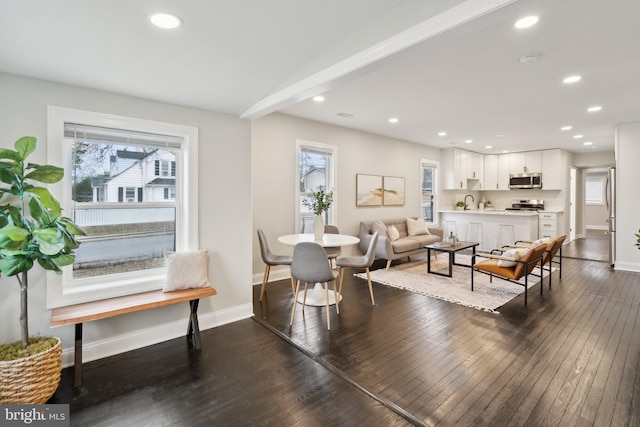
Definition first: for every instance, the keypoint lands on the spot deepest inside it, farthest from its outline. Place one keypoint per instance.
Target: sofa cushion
(380, 227)
(402, 228)
(425, 239)
(393, 233)
(416, 227)
(404, 245)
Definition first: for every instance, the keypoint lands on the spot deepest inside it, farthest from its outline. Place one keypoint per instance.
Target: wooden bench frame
(95, 310)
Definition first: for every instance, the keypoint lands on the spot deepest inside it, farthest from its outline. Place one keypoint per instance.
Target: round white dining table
(316, 296)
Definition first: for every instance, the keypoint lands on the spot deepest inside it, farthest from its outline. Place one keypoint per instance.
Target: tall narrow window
(428, 188)
(316, 172)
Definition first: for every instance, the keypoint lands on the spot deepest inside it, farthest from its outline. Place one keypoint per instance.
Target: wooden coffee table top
(460, 246)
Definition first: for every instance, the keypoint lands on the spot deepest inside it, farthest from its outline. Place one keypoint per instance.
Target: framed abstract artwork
(368, 190)
(393, 191)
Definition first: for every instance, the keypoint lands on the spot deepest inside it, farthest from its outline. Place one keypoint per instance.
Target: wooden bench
(87, 312)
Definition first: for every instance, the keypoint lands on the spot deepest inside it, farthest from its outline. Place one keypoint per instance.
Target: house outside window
(428, 191)
(121, 187)
(315, 172)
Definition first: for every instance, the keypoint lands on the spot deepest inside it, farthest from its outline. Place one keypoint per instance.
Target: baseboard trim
(274, 275)
(157, 334)
(627, 266)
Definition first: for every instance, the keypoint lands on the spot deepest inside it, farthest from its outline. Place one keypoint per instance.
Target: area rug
(486, 296)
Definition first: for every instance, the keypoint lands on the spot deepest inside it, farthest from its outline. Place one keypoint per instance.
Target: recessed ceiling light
(318, 98)
(578, 136)
(499, 135)
(526, 22)
(165, 20)
(594, 109)
(566, 128)
(468, 141)
(588, 143)
(393, 120)
(572, 79)
(489, 147)
(505, 151)
(442, 134)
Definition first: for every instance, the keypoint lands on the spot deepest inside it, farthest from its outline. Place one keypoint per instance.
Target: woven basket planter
(33, 379)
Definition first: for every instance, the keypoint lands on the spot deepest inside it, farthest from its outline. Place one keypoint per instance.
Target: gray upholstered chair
(332, 253)
(270, 259)
(364, 261)
(311, 265)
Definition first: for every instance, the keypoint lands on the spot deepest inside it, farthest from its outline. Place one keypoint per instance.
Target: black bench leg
(193, 333)
(77, 368)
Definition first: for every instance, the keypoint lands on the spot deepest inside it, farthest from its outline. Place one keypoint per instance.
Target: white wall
(224, 215)
(274, 168)
(628, 206)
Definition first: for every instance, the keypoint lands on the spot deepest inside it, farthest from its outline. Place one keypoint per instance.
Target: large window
(428, 189)
(120, 198)
(315, 172)
(594, 189)
(131, 185)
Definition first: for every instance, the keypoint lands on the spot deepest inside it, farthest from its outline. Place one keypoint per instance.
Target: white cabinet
(503, 171)
(455, 176)
(496, 172)
(462, 170)
(526, 162)
(553, 169)
(548, 225)
(475, 170)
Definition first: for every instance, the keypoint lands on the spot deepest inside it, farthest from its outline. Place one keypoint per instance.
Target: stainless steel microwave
(525, 180)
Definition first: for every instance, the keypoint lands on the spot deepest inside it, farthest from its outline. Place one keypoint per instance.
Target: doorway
(589, 241)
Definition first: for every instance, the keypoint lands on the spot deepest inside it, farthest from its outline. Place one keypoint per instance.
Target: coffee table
(451, 250)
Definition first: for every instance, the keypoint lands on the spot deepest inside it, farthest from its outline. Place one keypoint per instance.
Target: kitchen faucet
(466, 206)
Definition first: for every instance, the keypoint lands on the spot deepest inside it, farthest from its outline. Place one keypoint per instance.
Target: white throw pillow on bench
(186, 270)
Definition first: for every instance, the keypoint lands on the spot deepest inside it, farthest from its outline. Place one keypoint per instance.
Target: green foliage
(320, 202)
(46, 236)
(638, 239)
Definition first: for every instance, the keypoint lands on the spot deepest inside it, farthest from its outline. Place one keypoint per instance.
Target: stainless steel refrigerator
(610, 196)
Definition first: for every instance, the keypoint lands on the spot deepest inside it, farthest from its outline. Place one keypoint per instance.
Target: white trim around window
(332, 177)
(63, 289)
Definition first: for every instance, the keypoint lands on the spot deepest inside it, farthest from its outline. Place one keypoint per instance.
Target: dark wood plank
(571, 357)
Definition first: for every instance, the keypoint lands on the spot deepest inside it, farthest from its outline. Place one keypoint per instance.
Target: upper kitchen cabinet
(475, 168)
(553, 169)
(526, 162)
(496, 172)
(462, 170)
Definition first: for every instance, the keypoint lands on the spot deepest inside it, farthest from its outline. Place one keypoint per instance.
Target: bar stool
(506, 235)
(449, 227)
(474, 233)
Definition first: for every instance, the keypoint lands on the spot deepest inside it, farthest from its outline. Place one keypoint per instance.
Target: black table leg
(77, 372)
(193, 333)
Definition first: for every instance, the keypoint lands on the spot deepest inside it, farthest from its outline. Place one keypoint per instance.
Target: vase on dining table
(318, 227)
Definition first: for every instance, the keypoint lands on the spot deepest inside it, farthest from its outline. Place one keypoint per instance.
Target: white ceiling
(449, 65)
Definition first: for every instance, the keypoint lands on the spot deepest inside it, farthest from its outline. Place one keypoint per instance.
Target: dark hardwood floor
(594, 247)
(570, 357)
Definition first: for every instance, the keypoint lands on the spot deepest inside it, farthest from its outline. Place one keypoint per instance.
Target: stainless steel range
(534, 205)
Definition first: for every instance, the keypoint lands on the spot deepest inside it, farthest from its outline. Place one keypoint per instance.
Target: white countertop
(491, 212)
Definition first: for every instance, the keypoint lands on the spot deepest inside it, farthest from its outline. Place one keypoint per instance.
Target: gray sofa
(405, 246)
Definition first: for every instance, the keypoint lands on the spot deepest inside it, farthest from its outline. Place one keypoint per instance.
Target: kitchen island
(525, 224)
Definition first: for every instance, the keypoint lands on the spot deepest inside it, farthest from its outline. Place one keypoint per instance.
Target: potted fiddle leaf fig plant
(30, 368)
